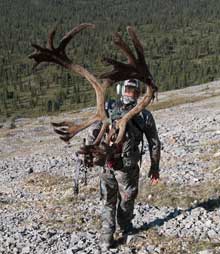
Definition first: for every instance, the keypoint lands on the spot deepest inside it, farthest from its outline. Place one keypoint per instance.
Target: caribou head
(135, 68)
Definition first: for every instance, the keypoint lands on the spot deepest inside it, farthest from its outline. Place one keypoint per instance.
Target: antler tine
(135, 67)
(73, 129)
(138, 46)
(68, 36)
(101, 133)
(51, 36)
(119, 42)
(64, 123)
(57, 55)
(141, 59)
(140, 53)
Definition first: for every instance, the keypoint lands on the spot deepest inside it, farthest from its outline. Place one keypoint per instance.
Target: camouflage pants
(119, 188)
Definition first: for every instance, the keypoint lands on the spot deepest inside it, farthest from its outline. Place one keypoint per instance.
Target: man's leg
(109, 190)
(127, 179)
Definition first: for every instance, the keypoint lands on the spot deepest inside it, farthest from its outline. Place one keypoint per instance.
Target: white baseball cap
(133, 83)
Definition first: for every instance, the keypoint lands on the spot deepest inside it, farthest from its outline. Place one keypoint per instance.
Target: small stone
(26, 250)
(211, 233)
(205, 252)
(69, 251)
(208, 223)
(150, 249)
(74, 238)
(81, 244)
(15, 250)
(149, 196)
(216, 155)
(30, 171)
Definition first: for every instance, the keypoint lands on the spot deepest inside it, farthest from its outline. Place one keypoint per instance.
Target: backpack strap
(140, 128)
(142, 149)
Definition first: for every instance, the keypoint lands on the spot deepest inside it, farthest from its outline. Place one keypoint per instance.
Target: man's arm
(151, 134)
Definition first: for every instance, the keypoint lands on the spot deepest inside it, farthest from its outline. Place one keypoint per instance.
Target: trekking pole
(85, 164)
(78, 166)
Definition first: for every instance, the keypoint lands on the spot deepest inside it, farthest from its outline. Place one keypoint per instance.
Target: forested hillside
(181, 40)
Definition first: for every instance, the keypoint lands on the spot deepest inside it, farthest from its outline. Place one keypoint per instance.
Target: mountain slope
(40, 214)
(181, 41)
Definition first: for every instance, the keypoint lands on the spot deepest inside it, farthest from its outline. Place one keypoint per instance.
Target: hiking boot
(106, 242)
(124, 232)
(128, 229)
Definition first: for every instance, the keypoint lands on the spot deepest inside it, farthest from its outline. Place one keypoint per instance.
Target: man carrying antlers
(120, 174)
(115, 145)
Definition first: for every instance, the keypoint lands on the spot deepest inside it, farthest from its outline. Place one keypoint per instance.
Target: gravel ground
(40, 214)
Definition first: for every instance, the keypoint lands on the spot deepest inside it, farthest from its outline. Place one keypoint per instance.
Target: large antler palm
(135, 68)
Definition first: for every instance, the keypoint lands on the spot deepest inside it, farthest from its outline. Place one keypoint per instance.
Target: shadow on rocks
(158, 222)
(209, 205)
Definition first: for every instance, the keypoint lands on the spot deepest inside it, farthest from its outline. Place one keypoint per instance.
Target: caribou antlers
(135, 68)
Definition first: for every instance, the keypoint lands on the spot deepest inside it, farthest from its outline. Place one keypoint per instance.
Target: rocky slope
(40, 214)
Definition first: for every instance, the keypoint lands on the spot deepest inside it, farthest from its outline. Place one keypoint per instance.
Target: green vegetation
(181, 40)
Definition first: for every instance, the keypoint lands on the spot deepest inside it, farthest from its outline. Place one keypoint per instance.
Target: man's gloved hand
(86, 151)
(154, 175)
(94, 155)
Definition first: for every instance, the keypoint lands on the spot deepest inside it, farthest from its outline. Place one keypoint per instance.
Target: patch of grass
(206, 156)
(46, 180)
(212, 143)
(178, 100)
(204, 245)
(214, 147)
(175, 101)
(68, 200)
(76, 217)
(178, 196)
(61, 209)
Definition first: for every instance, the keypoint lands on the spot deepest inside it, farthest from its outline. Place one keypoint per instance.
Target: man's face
(131, 91)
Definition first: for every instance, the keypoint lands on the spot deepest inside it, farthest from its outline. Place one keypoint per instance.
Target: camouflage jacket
(142, 123)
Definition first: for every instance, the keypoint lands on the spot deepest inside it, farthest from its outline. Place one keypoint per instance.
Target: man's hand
(86, 151)
(154, 175)
(95, 155)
